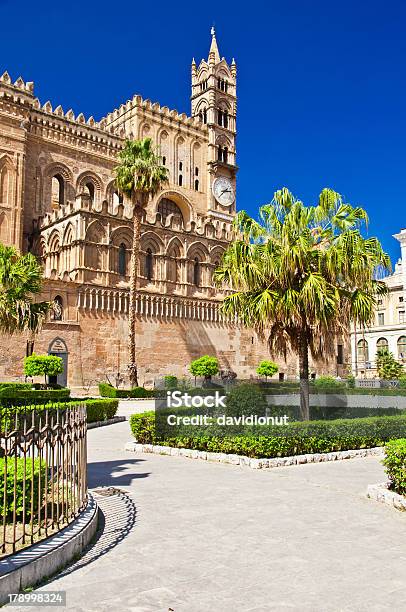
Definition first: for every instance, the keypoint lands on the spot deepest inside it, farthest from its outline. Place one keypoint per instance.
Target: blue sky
(321, 85)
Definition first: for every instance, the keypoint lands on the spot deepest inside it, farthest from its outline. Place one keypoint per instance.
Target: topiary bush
(34, 470)
(100, 409)
(395, 464)
(204, 367)
(170, 382)
(43, 365)
(17, 397)
(267, 368)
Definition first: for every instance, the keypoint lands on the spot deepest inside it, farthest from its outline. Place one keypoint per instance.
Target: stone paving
(221, 538)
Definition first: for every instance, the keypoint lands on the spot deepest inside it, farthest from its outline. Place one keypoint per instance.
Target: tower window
(222, 154)
(196, 272)
(197, 185)
(122, 259)
(196, 171)
(220, 117)
(149, 264)
(225, 119)
(58, 191)
(89, 188)
(180, 180)
(164, 161)
(180, 166)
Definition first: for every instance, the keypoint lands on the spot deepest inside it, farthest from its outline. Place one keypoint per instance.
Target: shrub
(205, 367)
(395, 464)
(246, 399)
(14, 385)
(32, 481)
(328, 382)
(18, 397)
(388, 367)
(43, 365)
(100, 409)
(282, 441)
(267, 368)
(170, 382)
(107, 390)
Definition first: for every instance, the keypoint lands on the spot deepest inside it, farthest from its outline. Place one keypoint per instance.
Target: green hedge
(107, 390)
(34, 474)
(15, 385)
(273, 441)
(100, 409)
(395, 464)
(16, 397)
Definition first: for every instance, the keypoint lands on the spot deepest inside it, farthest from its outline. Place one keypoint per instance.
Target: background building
(58, 200)
(389, 329)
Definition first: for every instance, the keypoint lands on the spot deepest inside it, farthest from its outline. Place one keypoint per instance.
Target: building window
(149, 264)
(222, 154)
(379, 302)
(401, 316)
(225, 119)
(382, 344)
(401, 298)
(89, 189)
(402, 348)
(180, 166)
(57, 309)
(196, 171)
(180, 180)
(58, 191)
(381, 318)
(362, 351)
(164, 161)
(340, 354)
(203, 115)
(197, 185)
(168, 207)
(196, 272)
(117, 198)
(122, 259)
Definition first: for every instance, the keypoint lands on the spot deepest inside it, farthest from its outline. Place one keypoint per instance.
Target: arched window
(57, 309)
(122, 259)
(196, 184)
(220, 117)
(362, 351)
(58, 191)
(222, 154)
(225, 155)
(117, 198)
(225, 119)
(382, 344)
(196, 272)
(180, 180)
(149, 264)
(402, 348)
(196, 171)
(89, 188)
(168, 207)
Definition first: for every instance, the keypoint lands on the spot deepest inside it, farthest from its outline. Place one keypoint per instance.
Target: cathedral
(58, 200)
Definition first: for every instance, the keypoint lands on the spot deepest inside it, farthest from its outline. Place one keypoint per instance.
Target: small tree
(267, 368)
(387, 366)
(43, 365)
(205, 366)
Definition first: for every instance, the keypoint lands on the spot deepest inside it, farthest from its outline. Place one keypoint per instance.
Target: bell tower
(214, 102)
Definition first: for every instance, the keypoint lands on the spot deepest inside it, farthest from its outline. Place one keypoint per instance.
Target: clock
(223, 191)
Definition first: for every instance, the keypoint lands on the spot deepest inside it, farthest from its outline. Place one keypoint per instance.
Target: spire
(213, 47)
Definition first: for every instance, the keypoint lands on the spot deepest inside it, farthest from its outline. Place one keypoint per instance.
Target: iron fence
(43, 476)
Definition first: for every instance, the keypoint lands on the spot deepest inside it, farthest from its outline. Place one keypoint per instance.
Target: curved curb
(116, 419)
(255, 464)
(33, 564)
(381, 493)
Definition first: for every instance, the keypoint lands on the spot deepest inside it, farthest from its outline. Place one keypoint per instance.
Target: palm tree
(301, 274)
(20, 280)
(139, 175)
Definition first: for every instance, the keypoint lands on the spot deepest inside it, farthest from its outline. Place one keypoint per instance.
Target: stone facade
(389, 328)
(58, 200)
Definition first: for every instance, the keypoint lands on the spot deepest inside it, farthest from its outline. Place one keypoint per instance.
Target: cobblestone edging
(381, 493)
(255, 464)
(117, 419)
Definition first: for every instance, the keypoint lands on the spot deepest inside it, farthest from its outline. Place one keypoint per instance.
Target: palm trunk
(304, 378)
(132, 365)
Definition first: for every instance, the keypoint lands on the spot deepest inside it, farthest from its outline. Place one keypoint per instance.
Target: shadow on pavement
(114, 473)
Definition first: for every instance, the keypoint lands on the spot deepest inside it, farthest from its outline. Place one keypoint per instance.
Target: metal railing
(43, 475)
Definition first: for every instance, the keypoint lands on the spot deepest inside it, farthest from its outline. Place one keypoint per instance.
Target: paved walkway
(217, 538)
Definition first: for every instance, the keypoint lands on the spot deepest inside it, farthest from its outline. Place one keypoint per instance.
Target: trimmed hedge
(107, 390)
(15, 385)
(395, 464)
(281, 441)
(18, 396)
(100, 409)
(32, 481)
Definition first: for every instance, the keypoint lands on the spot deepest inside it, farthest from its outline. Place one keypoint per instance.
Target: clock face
(223, 191)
